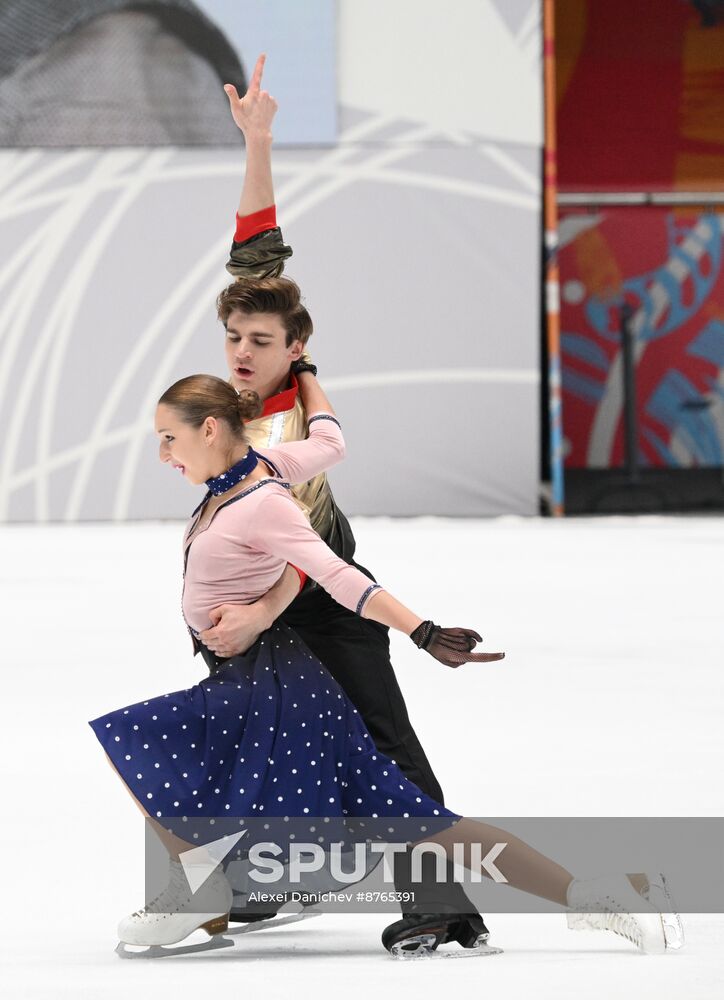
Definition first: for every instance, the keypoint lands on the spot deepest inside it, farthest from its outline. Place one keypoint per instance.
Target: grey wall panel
(454, 449)
(418, 258)
(416, 243)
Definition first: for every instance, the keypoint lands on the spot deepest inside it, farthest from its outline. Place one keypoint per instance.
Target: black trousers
(356, 652)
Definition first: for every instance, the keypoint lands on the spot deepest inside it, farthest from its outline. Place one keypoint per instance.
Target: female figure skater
(271, 733)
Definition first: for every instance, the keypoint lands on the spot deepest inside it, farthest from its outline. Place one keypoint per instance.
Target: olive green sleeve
(261, 256)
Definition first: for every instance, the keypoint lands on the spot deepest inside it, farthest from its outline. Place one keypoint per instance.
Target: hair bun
(250, 404)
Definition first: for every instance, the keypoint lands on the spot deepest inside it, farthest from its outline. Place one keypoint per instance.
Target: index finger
(255, 84)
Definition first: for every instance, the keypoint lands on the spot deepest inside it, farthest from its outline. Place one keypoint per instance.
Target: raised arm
(314, 398)
(254, 114)
(281, 529)
(258, 250)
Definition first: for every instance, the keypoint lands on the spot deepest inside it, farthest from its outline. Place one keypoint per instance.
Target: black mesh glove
(451, 646)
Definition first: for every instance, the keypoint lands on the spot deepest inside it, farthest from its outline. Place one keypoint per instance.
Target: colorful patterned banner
(667, 265)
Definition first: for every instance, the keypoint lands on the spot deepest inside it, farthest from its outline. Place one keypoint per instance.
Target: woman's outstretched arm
(280, 529)
(451, 646)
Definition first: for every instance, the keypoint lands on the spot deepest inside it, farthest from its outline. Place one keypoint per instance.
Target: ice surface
(609, 702)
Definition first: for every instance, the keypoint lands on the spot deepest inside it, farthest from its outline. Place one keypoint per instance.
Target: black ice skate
(419, 935)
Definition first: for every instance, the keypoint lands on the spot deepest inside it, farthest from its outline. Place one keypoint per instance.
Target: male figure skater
(264, 348)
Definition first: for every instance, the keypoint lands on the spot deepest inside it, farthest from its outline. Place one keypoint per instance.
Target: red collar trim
(282, 400)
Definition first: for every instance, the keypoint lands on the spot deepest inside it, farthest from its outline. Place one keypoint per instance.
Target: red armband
(302, 576)
(258, 222)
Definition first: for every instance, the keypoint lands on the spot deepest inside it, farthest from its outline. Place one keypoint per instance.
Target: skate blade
(124, 950)
(273, 922)
(659, 895)
(421, 947)
(218, 941)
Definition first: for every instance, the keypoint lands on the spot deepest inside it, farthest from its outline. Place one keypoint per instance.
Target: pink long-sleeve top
(248, 542)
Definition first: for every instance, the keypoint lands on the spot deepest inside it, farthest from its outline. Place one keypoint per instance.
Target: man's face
(257, 354)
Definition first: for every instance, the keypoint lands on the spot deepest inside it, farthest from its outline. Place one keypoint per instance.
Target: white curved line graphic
(507, 163)
(336, 383)
(75, 286)
(13, 163)
(508, 376)
(332, 167)
(58, 231)
(529, 24)
(44, 173)
(298, 195)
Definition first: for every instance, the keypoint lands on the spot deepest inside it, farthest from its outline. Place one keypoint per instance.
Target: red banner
(640, 95)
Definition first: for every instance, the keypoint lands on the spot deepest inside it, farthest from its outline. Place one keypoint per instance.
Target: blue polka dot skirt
(270, 734)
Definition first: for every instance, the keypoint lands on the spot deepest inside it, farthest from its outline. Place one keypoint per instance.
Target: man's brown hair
(279, 296)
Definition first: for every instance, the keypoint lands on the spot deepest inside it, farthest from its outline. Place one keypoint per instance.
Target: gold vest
(314, 496)
(263, 256)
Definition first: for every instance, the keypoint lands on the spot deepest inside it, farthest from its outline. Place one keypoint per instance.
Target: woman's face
(186, 448)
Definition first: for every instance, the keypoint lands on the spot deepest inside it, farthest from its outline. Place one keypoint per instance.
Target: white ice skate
(177, 912)
(617, 906)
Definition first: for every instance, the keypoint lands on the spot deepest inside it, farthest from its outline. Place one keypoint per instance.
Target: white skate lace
(623, 924)
(174, 893)
(613, 916)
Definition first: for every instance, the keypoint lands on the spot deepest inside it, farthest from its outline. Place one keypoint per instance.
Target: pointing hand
(254, 112)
